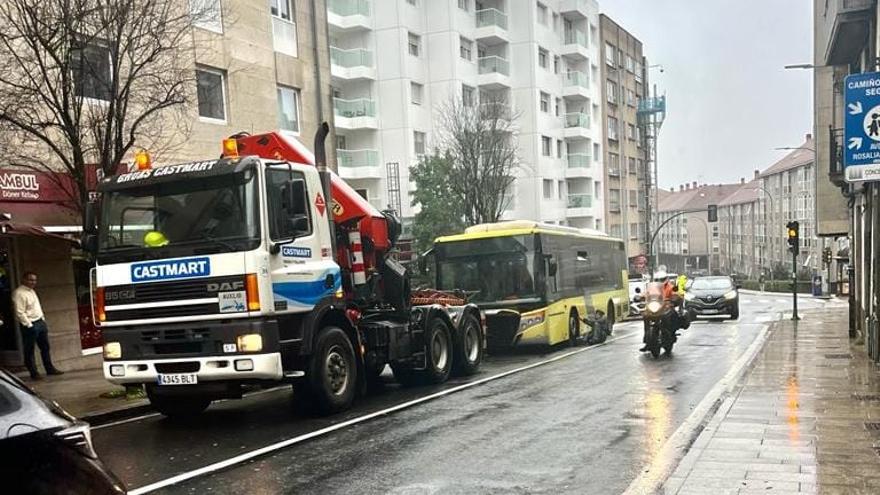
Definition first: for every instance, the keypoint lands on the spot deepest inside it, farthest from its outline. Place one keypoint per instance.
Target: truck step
(294, 374)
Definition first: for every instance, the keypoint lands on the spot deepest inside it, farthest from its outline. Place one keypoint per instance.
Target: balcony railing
(576, 37)
(577, 78)
(357, 158)
(579, 160)
(577, 120)
(362, 107)
(494, 64)
(580, 200)
(356, 57)
(491, 17)
(652, 105)
(349, 7)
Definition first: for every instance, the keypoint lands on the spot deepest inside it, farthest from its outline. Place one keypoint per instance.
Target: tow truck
(262, 266)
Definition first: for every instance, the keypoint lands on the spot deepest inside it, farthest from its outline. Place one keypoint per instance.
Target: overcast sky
(729, 100)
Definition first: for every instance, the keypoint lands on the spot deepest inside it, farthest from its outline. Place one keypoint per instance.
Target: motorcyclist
(672, 300)
(681, 284)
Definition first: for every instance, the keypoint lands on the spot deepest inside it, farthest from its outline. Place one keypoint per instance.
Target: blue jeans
(37, 334)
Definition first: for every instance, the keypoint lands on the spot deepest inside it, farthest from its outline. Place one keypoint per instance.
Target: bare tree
(82, 82)
(481, 142)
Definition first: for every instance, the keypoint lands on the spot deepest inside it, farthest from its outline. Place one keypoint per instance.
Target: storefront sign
(19, 186)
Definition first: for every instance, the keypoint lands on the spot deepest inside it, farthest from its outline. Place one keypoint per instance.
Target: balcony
(579, 205)
(576, 85)
(494, 72)
(576, 45)
(491, 27)
(847, 24)
(614, 206)
(577, 125)
(359, 164)
(355, 114)
(578, 166)
(356, 63)
(574, 9)
(345, 15)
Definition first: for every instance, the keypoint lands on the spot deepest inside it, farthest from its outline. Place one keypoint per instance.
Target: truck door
(300, 277)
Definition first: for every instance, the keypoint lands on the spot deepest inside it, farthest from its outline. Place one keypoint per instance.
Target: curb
(674, 450)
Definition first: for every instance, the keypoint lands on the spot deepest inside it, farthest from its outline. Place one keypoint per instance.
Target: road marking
(232, 461)
(666, 460)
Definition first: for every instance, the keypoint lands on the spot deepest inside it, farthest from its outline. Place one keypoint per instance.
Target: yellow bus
(533, 280)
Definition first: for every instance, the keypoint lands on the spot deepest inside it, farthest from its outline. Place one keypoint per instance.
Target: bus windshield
(497, 269)
(216, 214)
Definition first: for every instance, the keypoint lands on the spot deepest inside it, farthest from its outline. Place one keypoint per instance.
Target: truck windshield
(208, 215)
(499, 269)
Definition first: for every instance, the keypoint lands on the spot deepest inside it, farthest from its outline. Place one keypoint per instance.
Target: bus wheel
(177, 407)
(332, 379)
(468, 347)
(574, 328)
(438, 351)
(612, 315)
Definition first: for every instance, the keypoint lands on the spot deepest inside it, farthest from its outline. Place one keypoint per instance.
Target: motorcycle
(659, 320)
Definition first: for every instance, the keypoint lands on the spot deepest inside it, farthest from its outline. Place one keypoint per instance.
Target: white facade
(395, 62)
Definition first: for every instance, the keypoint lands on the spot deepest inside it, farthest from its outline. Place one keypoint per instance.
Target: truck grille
(174, 291)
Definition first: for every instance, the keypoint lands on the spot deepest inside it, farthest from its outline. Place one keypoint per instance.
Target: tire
(734, 315)
(612, 317)
(468, 347)
(332, 376)
(654, 342)
(574, 328)
(438, 351)
(177, 407)
(668, 342)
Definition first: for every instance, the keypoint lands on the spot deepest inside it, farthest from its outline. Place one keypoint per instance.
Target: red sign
(320, 204)
(640, 261)
(44, 187)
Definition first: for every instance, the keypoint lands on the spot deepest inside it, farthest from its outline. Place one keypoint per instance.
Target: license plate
(710, 311)
(178, 379)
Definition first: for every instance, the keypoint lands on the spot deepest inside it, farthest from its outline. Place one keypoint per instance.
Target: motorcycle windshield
(654, 292)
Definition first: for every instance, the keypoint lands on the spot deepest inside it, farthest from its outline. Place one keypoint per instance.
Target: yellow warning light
(142, 160)
(792, 233)
(230, 148)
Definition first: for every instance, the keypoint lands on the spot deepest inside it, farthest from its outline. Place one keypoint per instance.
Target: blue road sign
(861, 146)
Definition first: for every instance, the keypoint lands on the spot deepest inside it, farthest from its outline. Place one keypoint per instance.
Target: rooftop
(802, 155)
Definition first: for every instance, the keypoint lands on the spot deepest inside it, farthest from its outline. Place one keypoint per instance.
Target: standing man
(32, 323)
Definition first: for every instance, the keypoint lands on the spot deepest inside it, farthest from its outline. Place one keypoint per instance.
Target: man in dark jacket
(599, 327)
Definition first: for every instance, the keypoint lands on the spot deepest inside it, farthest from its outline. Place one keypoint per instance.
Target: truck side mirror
(298, 225)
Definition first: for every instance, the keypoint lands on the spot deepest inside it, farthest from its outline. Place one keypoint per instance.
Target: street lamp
(800, 66)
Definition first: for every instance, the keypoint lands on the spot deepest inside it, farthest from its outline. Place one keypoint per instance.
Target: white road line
(232, 461)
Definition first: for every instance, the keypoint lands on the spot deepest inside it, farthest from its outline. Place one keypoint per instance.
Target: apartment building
(738, 216)
(623, 87)
(395, 63)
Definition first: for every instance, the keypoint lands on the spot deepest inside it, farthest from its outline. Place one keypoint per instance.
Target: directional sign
(861, 153)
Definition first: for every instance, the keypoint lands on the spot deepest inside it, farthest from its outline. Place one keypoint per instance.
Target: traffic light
(827, 256)
(794, 243)
(713, 213)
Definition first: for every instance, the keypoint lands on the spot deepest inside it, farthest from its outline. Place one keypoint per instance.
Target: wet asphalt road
(587, 423)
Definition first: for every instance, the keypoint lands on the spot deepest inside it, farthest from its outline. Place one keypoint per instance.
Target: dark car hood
(710, 292)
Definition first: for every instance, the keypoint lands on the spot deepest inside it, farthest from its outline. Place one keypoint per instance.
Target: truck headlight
(688, 296)
(527, 321)
(251, 342)
(730, 295)
(112, 350)
(655, 306)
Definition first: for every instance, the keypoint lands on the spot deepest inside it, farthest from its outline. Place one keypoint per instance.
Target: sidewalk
(80, 393)
(805, 419)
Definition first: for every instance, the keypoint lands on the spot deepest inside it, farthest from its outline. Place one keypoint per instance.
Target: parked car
(44, 449)
(712, 296)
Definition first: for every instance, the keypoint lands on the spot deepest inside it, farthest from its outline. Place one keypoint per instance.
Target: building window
(283, 27)
(613, 164)
(548, 189)
(558, 106)
(610, 51)
(542, 13)
(463, 5)
(465, 48)
(545, 102)
(556, 64)
(281, 9)
(415, 90)
(612, 128)
(207, 14)
(632, 165)
(412, 2)
(558, 148)
(634, 231)
(596, 153)
(415, 44)
(211, 91)
(561, 189)
(546, 146)
(633, 199)
(467, 95)
(631, 132)
(90, 65)
(288, 108)
(419, 142)
(611, 89)
(542, 57)
(630, 64)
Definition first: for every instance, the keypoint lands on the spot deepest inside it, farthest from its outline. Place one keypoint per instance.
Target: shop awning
(25, 229)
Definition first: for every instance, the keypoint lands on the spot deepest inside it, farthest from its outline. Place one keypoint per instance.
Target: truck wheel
(177, 407)
(332, 379)
(468, 347)
(438, 350)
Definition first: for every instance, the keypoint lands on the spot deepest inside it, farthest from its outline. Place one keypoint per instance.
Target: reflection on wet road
(588, 423)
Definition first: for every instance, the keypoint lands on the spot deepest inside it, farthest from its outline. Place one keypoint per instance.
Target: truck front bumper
(237, 367)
